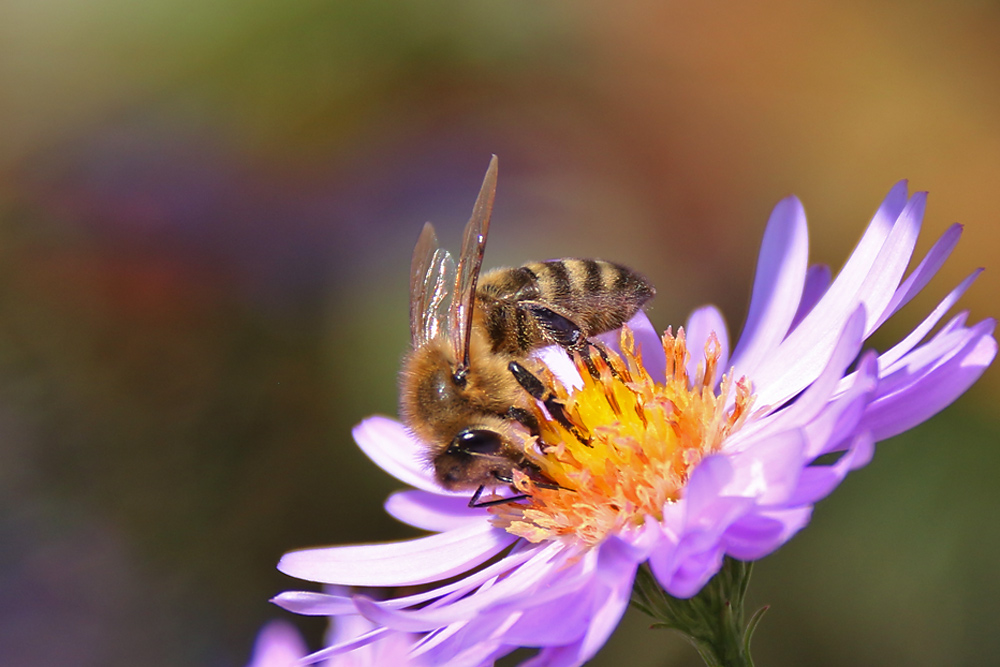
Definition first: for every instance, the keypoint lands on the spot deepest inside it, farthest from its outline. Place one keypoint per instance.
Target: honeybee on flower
(693, 450)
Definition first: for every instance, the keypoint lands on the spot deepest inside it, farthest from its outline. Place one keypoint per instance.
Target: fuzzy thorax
(636, 442)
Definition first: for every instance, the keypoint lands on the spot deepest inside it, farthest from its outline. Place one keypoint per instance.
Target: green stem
(712, 620)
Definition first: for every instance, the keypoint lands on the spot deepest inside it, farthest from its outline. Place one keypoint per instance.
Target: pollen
(627, 443)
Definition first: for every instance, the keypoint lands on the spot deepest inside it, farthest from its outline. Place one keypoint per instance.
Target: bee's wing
(469, 264)
(431, 274)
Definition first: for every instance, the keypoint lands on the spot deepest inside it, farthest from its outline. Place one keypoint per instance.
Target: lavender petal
(818, 278)
(311, 603)
(922, 275)
(392, 448)
(931, 391)
(760, 534)
(278, 644)
(418, 561)
(431, 511)
(777, 288)
(701, 323)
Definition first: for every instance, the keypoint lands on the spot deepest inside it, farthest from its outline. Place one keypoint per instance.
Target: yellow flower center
(632, 444)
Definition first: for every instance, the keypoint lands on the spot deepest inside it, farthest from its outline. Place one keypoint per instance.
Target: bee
(466, 391)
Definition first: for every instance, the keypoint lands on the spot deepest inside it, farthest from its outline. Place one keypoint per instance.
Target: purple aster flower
(279, 644)
(689, 453)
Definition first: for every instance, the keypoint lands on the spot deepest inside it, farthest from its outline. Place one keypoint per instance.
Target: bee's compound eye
(477, 441)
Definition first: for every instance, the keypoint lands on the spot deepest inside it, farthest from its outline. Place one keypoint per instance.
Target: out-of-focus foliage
(206, 216)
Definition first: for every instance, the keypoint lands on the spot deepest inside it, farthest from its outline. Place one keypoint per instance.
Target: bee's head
(477, 456)
(485, 457)
(462, 414)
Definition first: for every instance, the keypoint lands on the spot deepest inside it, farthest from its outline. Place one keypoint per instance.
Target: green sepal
(752, 626)
(712, 620)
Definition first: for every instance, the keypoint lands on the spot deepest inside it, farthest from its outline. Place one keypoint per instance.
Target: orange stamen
(643, 439)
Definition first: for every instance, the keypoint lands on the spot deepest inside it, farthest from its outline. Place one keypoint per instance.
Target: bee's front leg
(523, 417)
(540, 392)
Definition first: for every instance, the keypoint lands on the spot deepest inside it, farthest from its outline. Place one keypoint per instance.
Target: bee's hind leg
(559, 327)
(563, 331)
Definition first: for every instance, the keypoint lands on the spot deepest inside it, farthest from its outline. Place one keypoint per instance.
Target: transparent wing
(431, 273)
(469, 264)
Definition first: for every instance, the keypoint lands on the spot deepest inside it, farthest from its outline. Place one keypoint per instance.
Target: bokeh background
(206, 217)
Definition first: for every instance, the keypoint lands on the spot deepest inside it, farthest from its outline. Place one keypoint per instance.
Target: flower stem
(712, 620)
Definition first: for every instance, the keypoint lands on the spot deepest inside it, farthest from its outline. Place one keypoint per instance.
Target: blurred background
(207, 212)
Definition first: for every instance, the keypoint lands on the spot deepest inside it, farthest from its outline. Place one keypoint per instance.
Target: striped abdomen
(520, 309)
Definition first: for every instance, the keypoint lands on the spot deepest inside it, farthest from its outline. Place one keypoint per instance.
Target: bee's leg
(474, 500)
(563, 331)
(584, 352)
(527, 420)
(531, 470)
(559, 327)
(604, 355)
(523, 417)
(540, 392)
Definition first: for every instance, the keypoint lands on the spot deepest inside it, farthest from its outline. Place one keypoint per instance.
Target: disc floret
(632, 443)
